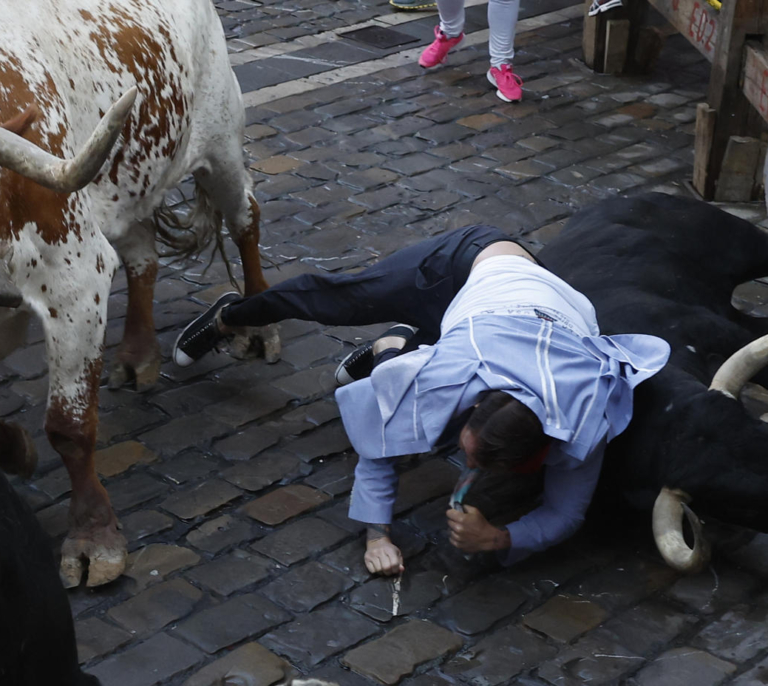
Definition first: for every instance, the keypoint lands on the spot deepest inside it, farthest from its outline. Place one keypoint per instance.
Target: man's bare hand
(472, 533)
(383, 557)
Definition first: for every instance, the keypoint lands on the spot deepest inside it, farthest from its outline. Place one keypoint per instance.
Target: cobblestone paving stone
(231, 478)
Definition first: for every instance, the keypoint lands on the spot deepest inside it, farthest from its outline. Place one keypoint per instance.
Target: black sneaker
(359, 363)
(355, 366)
(202, 334)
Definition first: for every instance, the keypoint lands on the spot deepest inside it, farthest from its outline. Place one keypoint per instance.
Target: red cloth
(534, 463)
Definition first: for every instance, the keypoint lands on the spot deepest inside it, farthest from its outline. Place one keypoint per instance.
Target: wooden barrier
(737, 100)
(695, 19)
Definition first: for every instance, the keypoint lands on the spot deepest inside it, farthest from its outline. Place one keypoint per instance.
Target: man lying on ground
(495, 348)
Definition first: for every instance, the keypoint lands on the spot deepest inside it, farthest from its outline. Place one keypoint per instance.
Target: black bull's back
(667, 266)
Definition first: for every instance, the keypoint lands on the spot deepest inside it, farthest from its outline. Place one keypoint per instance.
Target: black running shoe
(359, 363)
(202, 334)
(355, 366)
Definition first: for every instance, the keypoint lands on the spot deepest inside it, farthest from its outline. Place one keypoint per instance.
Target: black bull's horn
(668, 511)
(671, 504)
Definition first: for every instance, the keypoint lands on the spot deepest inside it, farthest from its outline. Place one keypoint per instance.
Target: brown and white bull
(63, 64)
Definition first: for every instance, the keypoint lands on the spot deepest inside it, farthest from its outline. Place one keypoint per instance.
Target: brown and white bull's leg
(228, 186)
(138, 356)
(74, 314)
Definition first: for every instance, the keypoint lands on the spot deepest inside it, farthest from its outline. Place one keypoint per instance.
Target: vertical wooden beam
(592, 43)
(759, 187)
(706, 117)
(616, 42)
(737, 173)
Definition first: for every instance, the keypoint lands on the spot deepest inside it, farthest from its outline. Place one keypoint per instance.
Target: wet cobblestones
(231, 479)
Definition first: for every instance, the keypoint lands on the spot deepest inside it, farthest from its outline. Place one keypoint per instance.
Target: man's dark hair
(506, 432)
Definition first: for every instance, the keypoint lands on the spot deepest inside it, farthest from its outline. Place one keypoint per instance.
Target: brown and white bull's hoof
(144, 370)
(19, 455)
(262, 341)
(105, 551)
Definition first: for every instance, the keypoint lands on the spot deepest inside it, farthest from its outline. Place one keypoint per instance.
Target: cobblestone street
(232, 478)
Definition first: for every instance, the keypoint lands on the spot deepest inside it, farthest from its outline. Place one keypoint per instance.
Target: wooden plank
(695, 19)
(755, 78)
(737, 174)
(759, 193)
(705, 128)
(616, 41)
(591, 41)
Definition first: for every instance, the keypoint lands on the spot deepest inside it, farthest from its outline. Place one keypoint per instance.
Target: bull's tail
(188, 231)
(10, 295)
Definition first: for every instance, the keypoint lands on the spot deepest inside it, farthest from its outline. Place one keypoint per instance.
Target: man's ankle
(224, 330)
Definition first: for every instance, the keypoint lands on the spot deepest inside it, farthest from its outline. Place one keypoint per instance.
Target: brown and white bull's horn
(668, 511)
(740, 368)
(67, 176)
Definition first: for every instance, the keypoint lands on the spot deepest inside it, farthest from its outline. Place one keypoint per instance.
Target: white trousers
(502, 22)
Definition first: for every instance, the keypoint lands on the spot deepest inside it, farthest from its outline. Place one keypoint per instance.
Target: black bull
(37, 636)
(667, 266)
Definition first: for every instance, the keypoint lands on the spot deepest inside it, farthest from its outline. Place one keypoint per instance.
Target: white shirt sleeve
(567, 494)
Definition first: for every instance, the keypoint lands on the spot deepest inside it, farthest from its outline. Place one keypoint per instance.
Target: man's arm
(567, 495)
(373, 497)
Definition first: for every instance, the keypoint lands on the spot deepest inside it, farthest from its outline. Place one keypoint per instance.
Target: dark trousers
(413, 286)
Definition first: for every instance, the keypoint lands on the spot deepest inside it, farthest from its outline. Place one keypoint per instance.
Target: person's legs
(502, 22)
(451, 17)
(385, 291)
(448, 34)
(414, 286)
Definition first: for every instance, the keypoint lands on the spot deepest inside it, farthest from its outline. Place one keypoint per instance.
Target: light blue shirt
(579, 386)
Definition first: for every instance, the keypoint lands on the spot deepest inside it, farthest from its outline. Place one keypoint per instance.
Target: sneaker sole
(180, 358)
(341, 375)
(604, 8)
(406, 8)
(499, 94)
(445, 59)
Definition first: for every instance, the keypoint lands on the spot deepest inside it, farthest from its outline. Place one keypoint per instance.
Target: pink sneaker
(508, 84)
(437, 51)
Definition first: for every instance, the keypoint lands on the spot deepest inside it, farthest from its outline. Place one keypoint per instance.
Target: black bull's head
(668, 266)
